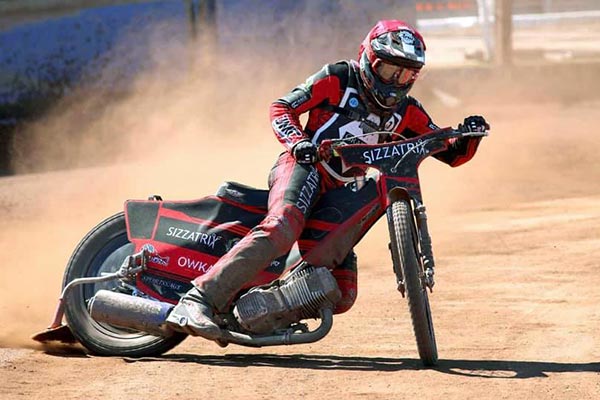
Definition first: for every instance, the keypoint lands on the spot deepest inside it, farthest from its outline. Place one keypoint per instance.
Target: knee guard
(346, 277)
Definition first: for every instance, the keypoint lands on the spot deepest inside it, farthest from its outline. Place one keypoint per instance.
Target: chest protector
(350, 120)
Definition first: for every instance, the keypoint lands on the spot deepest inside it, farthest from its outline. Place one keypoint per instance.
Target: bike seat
(244, 194)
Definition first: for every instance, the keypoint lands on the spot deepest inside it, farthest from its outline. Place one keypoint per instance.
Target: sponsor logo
(392, 123)
(148, 247)
(407, 37)
(155, 257)
(196, 265)
(383, 153)
(235, 193)
(308, 191)
(286, 129)
(360, 129)
(353, 102)
(165, 283)
(301, 99)
(350, 139)
(206, 239)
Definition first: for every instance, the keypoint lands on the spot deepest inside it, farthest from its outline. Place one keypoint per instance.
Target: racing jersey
(337, 110)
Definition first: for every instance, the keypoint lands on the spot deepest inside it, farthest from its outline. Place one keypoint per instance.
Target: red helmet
(390, 59)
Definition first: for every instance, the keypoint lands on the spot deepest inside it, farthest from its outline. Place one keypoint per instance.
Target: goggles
(395, 74)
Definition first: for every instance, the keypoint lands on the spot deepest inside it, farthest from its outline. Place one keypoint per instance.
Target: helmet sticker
(406, 37)
(408, 42)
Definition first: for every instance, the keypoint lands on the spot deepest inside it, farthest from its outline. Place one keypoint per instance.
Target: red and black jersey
(337, 110)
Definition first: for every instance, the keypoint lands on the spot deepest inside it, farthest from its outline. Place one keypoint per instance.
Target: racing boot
(194, 315)
(215, 290)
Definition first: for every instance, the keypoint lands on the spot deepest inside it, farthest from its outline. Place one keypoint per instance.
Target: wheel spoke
(404, 252)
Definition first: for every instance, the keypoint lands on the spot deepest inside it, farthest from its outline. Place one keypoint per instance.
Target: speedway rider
(347, 99)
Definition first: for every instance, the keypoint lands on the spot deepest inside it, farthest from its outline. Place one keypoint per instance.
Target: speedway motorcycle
(128, 272)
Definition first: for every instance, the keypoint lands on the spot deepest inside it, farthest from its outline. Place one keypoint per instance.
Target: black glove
(305, 152)
(474, 123)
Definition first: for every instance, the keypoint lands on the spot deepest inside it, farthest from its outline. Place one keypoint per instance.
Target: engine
(298, 296)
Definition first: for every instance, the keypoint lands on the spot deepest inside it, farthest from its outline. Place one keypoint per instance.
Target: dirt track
(516, 308)
(516, 305)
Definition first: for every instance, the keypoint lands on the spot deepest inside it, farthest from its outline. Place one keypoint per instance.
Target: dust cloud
(179, 132)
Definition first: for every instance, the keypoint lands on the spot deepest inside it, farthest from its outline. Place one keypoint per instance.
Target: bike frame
(338, 222)
(397, 163)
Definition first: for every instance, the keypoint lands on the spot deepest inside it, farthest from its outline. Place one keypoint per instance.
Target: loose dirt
(516, 234)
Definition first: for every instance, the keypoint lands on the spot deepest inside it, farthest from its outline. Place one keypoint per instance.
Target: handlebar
(328, 146)
(475, 134)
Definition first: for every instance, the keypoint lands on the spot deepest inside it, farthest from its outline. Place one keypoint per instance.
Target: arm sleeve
(285, 112)
(418, 122)
(459, 151)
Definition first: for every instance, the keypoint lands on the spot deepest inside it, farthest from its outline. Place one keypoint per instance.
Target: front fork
(424, 250)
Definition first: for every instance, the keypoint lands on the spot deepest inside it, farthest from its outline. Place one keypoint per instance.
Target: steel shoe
(194, 315)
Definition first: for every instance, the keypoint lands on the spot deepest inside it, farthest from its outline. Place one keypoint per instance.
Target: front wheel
(404, 252)
(100, 252)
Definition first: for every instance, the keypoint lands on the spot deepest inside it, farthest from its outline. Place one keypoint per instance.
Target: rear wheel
(404, 252)
(100, 252)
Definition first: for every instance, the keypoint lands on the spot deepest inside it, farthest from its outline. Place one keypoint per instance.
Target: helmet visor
(395, 74)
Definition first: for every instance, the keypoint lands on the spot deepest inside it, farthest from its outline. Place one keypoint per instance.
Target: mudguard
(187, 237)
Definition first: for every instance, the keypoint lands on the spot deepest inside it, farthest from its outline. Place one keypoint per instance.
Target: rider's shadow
(509, 369)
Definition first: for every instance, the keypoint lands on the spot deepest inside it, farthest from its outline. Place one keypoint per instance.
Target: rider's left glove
(474, 123)
(305, 152)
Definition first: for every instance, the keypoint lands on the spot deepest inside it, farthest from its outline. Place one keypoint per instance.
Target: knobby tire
(404, 251)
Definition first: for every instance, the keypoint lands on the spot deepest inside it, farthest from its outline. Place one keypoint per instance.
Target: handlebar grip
(326, 150)
(475, 134)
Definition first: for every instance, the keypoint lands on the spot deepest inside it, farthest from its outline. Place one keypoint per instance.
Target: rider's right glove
(474, 123)
(305, 152)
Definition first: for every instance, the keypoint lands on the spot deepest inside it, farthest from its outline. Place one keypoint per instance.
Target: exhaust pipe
(126, 311)
(131, 312)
